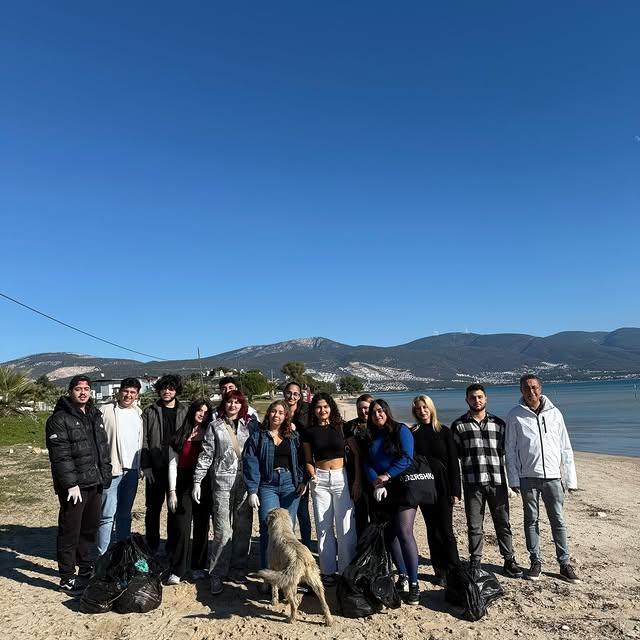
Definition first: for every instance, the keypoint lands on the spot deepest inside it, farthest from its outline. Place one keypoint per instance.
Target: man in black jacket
(159, 422)
(81, 468)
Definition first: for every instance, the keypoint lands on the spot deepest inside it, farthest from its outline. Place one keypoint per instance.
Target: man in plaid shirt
(479, 438)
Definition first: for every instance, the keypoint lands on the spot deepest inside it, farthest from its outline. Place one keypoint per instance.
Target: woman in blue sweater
(390, 453)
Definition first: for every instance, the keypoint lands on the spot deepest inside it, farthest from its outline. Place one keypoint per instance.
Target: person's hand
(314, 480)
(383, 478)
(254, 501)
(195, 494)
(455, 500)
(302, 488)
(356, 491)
(172, 501)
(74, 494)
(147, 474)
(379, 493)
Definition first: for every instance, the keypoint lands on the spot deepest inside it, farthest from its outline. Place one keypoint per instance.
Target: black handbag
(415, 486)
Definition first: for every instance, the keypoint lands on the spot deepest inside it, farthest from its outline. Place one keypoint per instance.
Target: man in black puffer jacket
(81, 468)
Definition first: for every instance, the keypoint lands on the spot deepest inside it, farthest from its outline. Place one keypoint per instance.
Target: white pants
(332, 502)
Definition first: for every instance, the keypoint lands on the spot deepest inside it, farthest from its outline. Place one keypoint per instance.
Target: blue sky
(203, 175)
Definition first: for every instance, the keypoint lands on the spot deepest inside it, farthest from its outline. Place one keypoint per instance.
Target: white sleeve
(173, 468)
(511, 451)
(566, 455)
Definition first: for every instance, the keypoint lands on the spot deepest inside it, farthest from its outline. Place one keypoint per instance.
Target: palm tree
(16, 391)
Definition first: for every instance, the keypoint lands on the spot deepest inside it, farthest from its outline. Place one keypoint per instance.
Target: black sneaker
(512, 569)
(402, 584)
(70, 586)
(567, 572)
(535, 570)
(413, 597)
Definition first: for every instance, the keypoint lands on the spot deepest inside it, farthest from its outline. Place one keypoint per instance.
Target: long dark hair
(335, 419)
(180, 436)
(391, 439)
(286, 430)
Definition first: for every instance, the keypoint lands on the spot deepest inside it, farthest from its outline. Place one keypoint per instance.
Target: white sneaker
(173, 579)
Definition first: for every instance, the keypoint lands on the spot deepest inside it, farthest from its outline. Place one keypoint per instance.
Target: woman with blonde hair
(435, 441)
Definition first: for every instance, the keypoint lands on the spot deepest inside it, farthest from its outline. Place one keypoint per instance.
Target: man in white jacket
(123, 424)
(539, 456)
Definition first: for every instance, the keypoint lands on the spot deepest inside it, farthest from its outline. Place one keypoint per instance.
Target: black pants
(442, 541)
(185, 555)
(77, 529)
(155, 495)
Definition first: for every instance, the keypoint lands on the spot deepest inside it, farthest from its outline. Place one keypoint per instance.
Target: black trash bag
(472, 592)
(99, 596)
(144, 593)
(115, 571)
(366, 585)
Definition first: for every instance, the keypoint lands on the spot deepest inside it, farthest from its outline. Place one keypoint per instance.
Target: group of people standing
(221, 464)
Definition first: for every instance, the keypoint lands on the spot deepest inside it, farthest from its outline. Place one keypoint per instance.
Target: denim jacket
(258, 454)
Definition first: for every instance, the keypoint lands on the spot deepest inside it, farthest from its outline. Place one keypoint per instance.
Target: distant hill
(437, 361)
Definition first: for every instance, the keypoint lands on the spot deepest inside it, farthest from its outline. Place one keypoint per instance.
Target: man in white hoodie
(123, 424)
(539, 457)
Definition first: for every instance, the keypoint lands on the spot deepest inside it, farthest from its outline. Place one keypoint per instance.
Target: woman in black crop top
(435, 441)
(324, 444)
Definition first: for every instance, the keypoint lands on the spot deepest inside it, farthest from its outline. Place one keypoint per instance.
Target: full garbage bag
(472, 591)
(366, 585)
(127, 570)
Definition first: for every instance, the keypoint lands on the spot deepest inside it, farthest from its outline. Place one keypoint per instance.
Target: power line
(86, 333)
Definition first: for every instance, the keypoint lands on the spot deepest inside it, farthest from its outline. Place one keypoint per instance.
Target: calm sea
(602, 417)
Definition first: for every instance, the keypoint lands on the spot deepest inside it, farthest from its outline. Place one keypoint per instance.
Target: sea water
(602, 417)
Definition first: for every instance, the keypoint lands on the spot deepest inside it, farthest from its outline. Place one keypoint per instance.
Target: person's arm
(566, 455)
(251, 464)
(356, 489)
(511, 451)
(173, 468)
(453, 467)
(207, 455)
(405, 459)
(457, 440)
(63, 467)
(370, 473)
(308, 456)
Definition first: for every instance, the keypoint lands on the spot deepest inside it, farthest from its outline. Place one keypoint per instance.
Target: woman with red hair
(232, 515)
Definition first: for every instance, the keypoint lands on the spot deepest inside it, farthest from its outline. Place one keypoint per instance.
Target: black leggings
(402, 543)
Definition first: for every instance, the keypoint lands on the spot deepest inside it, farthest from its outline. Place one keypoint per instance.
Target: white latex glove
(254, 501)
(379, 493)
(74, 494)
(195, 494)
(172, 501)
(147, 474)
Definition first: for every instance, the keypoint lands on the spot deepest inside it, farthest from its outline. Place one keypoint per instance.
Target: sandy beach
(603, 520)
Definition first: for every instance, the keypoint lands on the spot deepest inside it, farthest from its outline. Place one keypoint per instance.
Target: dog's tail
(279, 579)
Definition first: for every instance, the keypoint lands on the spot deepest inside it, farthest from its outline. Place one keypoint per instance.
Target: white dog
(290, 563)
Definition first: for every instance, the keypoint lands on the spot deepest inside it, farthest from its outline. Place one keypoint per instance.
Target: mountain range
(450, 359)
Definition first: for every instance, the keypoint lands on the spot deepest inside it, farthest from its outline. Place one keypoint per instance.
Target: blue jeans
(552, 494)
(280, 492)
(117, 503)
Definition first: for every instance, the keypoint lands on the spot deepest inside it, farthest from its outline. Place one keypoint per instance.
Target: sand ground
(603, 520)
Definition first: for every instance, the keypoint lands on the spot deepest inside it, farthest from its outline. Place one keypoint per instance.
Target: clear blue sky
(199, 174)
